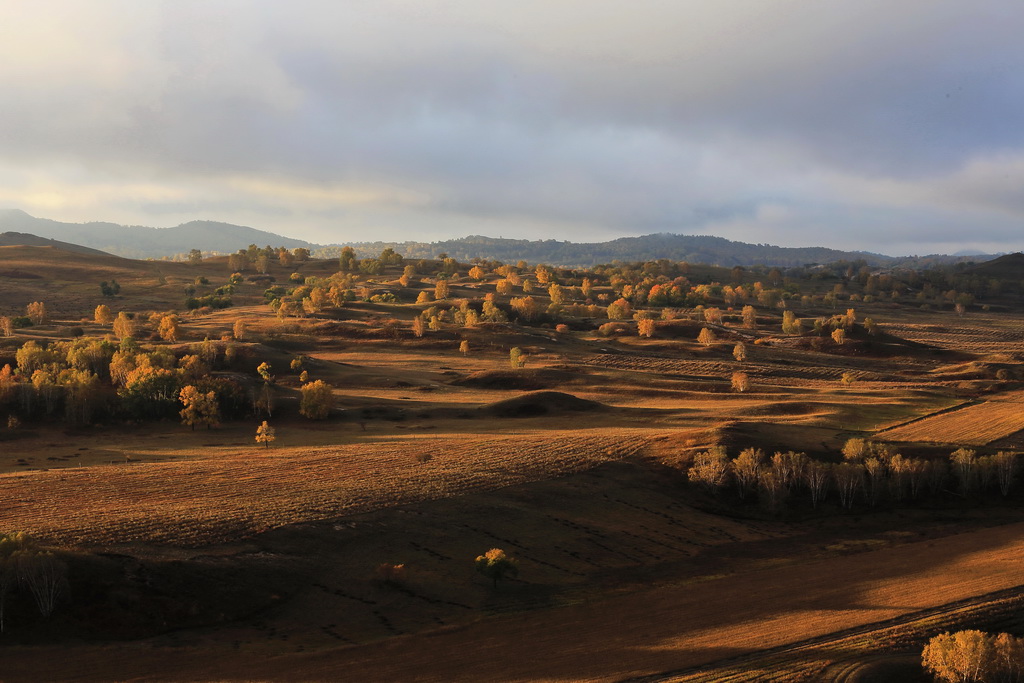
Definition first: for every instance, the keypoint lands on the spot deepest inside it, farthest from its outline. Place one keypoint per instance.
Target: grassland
(575, 465)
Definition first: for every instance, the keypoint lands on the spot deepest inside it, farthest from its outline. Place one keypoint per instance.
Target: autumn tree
(1006, 464)
(317, 400)
(6, 326)
(739, 352)
(849, 478)
(710, 468)
(839, 336)
(749, 317)
(199, 408)
(464, 347)
(239, 329)
(45, 575)
(645, 327)
(964, 462)
(706, 337)
(740, 381)
(12, 546)
(746, 469)
(265, 434)
(791, 324)
(36, 311)
(169, 328)
(102, 315)
(441, 290)
(969, 656)
(496, 565)
(816, 476)
(124, 326)
(516, 358)
(477, 273)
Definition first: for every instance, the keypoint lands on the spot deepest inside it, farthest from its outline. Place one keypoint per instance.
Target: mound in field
(541, 403)
(525, 380)
(784, 408)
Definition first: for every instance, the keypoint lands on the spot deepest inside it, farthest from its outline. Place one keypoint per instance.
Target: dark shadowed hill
(136, 241)
(21, 239)
(1010, 266)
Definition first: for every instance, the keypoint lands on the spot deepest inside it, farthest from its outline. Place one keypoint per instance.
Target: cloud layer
(868, 124)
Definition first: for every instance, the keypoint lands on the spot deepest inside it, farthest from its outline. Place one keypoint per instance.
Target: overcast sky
(895, 127)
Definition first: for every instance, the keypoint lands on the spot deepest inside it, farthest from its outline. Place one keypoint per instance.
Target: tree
(791, 324)
(195, 256)
(45, 575)
(464, 347)
(839, 336)
(746, 469)
(168, 328)
(961, 656)
(749, 317)
(706, 337)
(477, 273)
(265, 434)
(739, 352)
(740, 381)
(495, 565)
(124, 327)
(441, 290)
(199, 408)
(1006, 467)
(964, 461)
(645, 327)
(710, 468)
(102, 315)
(239, 329)
(11, 546)
(816, 476)
(516, 358)
(111, 288)
(6, 326)
(317, 400)
(36, 311)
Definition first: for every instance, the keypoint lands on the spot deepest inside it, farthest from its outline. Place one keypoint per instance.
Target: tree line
(868, 472)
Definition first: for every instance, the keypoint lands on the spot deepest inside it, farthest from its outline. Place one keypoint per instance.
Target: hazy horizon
(849, 125)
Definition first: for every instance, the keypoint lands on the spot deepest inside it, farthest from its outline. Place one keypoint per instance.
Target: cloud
(862, 124)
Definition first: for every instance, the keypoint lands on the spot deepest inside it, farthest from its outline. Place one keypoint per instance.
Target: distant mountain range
(136, 241)
(209, 236)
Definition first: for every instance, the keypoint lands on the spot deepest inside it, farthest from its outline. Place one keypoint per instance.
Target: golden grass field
(625, 570)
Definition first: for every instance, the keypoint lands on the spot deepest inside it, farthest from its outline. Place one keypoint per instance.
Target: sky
(892, 127)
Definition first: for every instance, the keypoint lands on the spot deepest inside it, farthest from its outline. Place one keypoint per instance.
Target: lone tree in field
(516, 358)
(495, 564)
(464, 347)
(239, 329)
(317, 400)
(740, 381)
(124, 326)
(199, 408)
(265, 434)
(739, 352)
(706, 337)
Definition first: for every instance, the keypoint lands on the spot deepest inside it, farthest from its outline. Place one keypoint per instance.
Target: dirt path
(661, 629)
